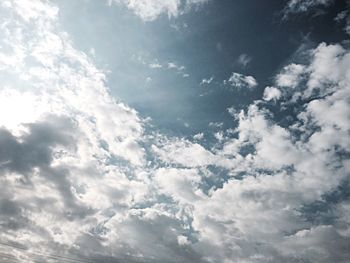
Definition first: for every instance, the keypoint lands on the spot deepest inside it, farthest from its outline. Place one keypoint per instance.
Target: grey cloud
(34, 148)
(156, 238)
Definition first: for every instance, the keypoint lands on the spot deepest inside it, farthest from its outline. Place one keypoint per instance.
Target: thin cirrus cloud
(85, 178)
(244, 60)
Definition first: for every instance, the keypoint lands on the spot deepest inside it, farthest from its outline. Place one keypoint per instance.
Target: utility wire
(67, 259)
(50, 256)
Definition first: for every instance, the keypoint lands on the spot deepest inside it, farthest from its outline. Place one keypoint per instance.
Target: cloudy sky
(175, 131)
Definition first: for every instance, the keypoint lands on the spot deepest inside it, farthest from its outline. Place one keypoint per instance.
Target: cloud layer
(84, 177)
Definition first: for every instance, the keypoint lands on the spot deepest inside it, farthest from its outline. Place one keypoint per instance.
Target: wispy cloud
(303, 6)
(172, 65)
(244, 60)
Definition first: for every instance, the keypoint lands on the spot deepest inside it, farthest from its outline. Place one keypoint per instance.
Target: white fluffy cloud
(183, 153)
(61, 131)
(80, 174)
(149, 10)
(272, 93)
(290, 76)
(261, 217)
(181, 184)
(238, 80)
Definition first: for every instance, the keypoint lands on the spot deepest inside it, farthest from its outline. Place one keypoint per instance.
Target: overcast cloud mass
(173, 131)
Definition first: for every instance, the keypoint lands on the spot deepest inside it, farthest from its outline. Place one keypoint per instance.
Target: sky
(175, 131)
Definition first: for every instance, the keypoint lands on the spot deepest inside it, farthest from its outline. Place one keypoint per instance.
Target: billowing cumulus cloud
(290, 76)
(60, 131)
(84, 177)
